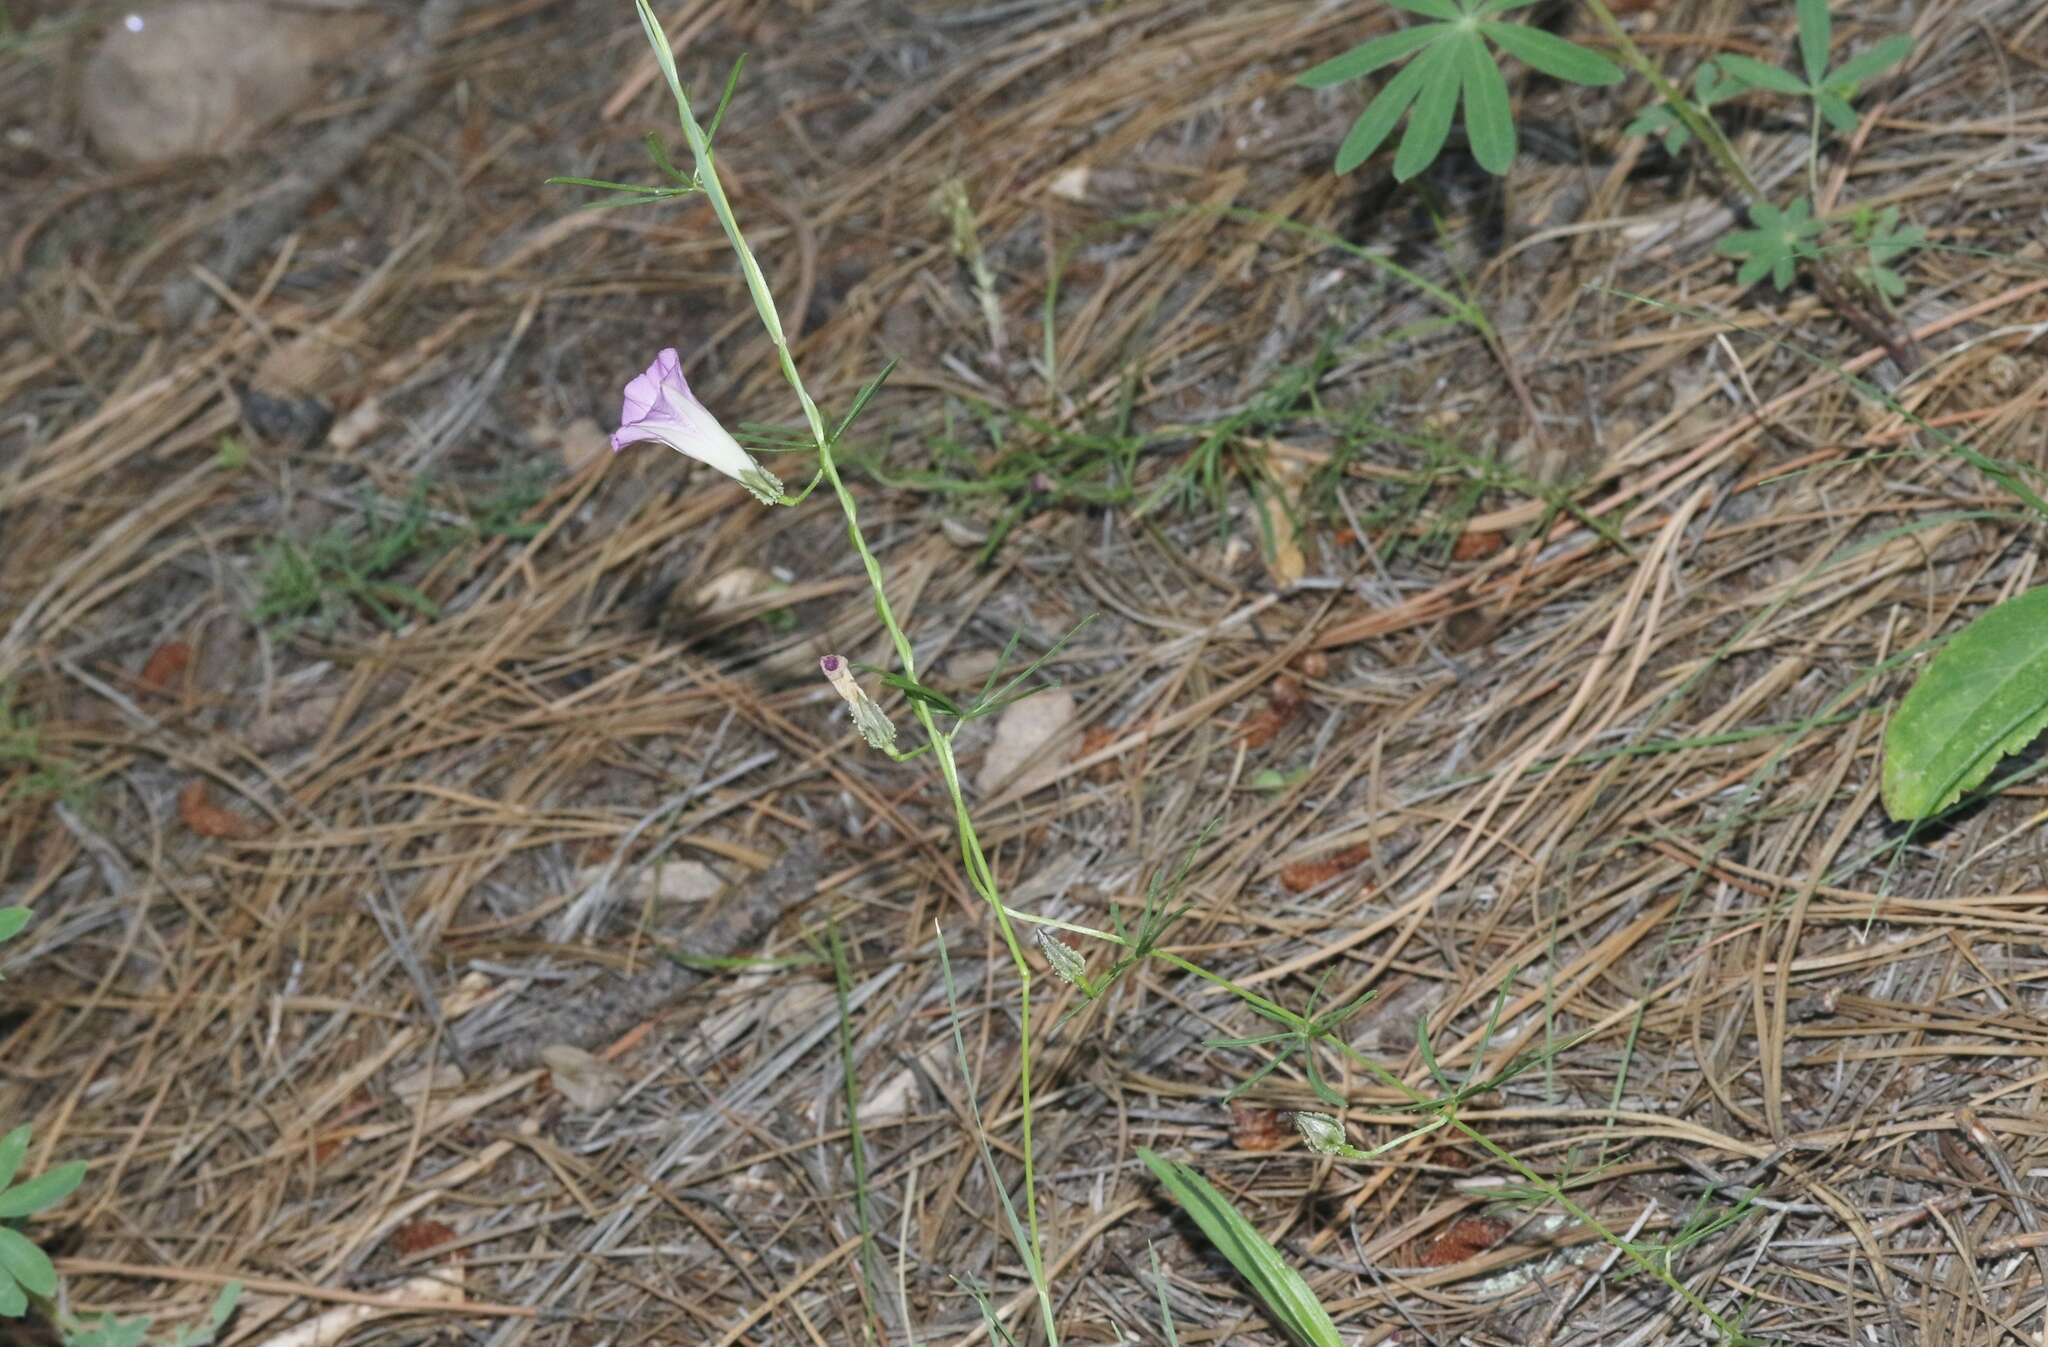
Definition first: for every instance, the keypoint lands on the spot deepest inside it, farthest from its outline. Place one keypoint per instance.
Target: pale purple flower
(660, 406)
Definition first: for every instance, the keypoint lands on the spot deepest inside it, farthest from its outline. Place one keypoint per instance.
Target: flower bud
(867, 717)
(1324, 1134)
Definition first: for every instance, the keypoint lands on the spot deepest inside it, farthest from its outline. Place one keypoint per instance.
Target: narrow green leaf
(1985, 695)
(1755, 74)
(12, 1147)
(1367, 57)
(1886, 54)
(1285, 1295)
(1552, 55)
(26, 1263)
(12, 919)
(915, 690)
(1489, 120)
(1428, 9)
(13, 1304)
(1430, 123)
(44, 1190)
(1378, 120)
(1815, 36)
(1835, 110)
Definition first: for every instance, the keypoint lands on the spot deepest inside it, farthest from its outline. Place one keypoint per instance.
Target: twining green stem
(979, 873)
(1704, 129)
(1586, 1218)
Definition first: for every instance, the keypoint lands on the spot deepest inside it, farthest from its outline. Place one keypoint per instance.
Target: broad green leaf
(1430, 122)
(1983, 696)
(26, 1263)
(1886, 54)
(44, 1190)
(1279, 1286)
(1815, 36)
(1367, 57)
(1489, 121)
(1377, 122)
(1754, 73)
(12, 1147)
(1552, 55)
(12, 919)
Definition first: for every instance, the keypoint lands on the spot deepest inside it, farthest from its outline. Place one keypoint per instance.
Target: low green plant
(356, 565)
(25, 1270)
(1982, 697)
(1451, 62)
(660, 406)
(1279, 1287)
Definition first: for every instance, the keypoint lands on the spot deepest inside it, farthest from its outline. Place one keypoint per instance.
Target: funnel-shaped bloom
(660, 406)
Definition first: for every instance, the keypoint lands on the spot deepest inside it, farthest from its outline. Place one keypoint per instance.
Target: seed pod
(1066, 962)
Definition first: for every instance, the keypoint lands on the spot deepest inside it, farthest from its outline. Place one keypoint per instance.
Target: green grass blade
(1276, 1284)
(1985, 695)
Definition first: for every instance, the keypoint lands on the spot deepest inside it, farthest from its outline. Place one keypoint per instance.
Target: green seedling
(1453, 61)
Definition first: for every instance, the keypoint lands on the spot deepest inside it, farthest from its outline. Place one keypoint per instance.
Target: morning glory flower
(660, 406)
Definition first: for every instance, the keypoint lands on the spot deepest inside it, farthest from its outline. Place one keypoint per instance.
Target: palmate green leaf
(1489, 120)
(1380, 117)
(1367, 57)
(44, 1190)
(13, 1147)
(27, 1264)
(1754, 74)
(1552, 55)
(1816, 35)
(1452, 64)
(1279, 1287)
(1777, 244)
(1850, 74)
(1428, 9)
(1985, 695)
(1429, 124)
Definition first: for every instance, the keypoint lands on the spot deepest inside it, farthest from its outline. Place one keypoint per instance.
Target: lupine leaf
(1552, 55)
(1489, 120)
(1430, 122)
(1367, 57)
